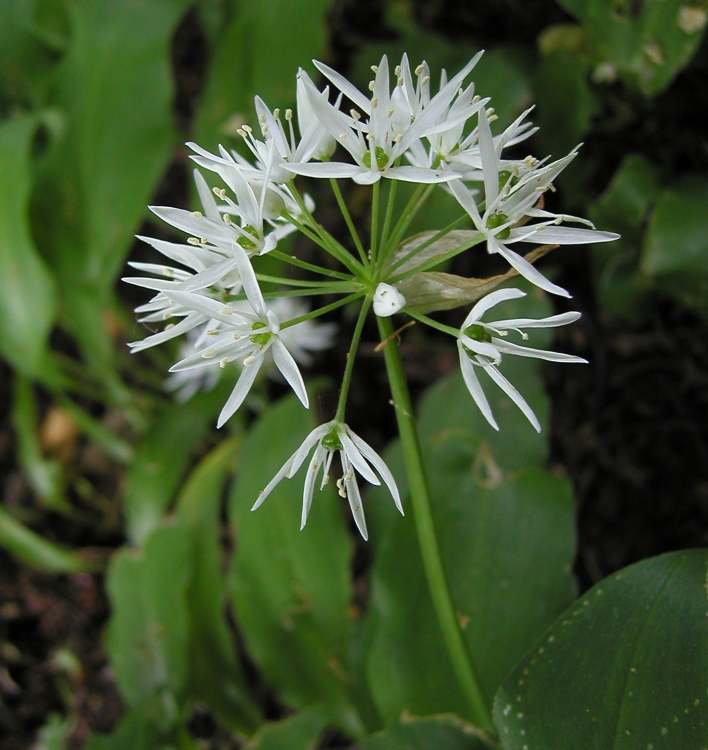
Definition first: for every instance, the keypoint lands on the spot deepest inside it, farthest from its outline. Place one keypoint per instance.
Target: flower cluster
(401, 131)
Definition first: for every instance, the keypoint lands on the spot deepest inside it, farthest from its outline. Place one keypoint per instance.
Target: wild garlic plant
(401, 131)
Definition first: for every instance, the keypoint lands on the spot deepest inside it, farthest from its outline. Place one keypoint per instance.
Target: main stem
(425, 529)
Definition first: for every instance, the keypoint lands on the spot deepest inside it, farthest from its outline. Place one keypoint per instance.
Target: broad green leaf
(148, 633)
(624, 208)
(115, 90)
(505, 531)
(623, 668)
(438, 732)
(27, 53)
(54, 735)
(291, 589)
(676, 245)
(244, 65)
(161, 459)
(135, 731)
(211, 643)
(297, 732)
(26, 288)
(564, 102)
(647, 43)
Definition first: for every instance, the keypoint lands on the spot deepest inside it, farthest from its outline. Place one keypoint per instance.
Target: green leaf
(211, 645)
(148, 633)
(244, 64)
(37, 552)
(135, 731)
(438, 732)
(115, 90)
(291, 589)
(676, 246)
(565, 103)
(623, 668)
(26, 289)
(297, 732)
(505, 530)
(624, 208)
(161, 459)
(647, 43)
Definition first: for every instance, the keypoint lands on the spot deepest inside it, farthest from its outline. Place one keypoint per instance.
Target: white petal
(198, 226)
(357, 460)
(274, 482)
(185, 325)
(354, 497)
(249, 281)
(474, 387)
(312, 439)
(325, 169)
(208, 307)
(489, 301)
(465, 197)
(530, 273)
(379, 464)
(514, 395)
(571, 236)
(420, 174)
(527, 351)
(552, 321)
(490, 160)
(288, 367)
(309, 487)
(206, 197)
(348, 89)
(240, 391)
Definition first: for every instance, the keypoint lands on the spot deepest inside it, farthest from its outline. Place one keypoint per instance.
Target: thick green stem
(374, 239)
(425, 529)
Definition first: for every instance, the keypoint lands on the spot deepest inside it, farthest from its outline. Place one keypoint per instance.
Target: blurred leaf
(54, 735)
(675, 251)
(148, 633)
(44, 475)
(35, 551)
(565, 103)
(136, 731)
(161, 459)
(26, 289)
(297, 732)
(211, 644)
(624, 208)
(27, 51)
(505, 529)
(292, 589)
(624, 667)
(114, 86)
(648, 43)
(243, 62)
(438, 732)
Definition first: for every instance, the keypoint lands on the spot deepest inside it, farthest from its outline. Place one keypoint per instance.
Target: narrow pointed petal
(309, 487)
(240, 391)
(209, 307)
(288, 367)
(526, 351)
(571, 236)
(552, 321)
(514, 395)
(348, 89)
(249, 281)
(274, 482)
(325, 169)
(354, 497)
(489, 301)
(206, 197)
(529, 272)
(171, 332)
(357, 460)
(379, 464)
(307, 444)
(490, 160)
(475, 388)
(465, 197)
(198, 226)
(420, 174)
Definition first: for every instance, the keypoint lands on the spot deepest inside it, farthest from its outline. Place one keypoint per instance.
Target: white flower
(378, 142)
(482, 345)
(244, 336)
(187, 383)
(355, 455)
(509, 204)
(388, 300)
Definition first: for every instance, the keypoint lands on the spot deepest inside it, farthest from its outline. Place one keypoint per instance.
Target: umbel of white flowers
(236, 317)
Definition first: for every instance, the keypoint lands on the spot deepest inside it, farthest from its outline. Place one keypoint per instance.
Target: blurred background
(96, 101)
